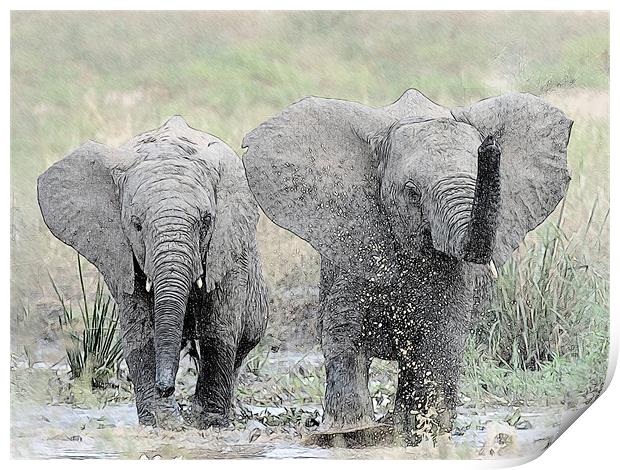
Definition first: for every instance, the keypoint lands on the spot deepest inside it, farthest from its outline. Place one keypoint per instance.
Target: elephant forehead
(172, 171)
(436, 141)
(168, 182)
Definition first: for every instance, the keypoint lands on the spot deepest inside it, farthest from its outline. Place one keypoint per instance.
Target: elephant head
(170, 208)
(366, 186)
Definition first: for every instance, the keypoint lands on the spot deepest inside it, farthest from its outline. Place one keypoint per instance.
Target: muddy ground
(50, 418)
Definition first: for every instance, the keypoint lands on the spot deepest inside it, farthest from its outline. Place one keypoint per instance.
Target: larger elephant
(412, 206)
(169, 221)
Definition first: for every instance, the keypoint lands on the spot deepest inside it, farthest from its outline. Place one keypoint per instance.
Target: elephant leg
(348, 406)
(139, 352)
(426, 395)
(214, 390)
(218, 329)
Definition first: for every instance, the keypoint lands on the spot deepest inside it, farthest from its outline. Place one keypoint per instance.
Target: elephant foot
(411, 428)
(361, 433)
(208, 420)
(146, 418)
(201, 419)
(167, 415)
(376, 434)
(387, 418)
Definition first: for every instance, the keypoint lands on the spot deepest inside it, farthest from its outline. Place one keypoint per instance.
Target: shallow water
(69, 432)
(63, 431)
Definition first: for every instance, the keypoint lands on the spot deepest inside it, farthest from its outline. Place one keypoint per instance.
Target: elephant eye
(136, 223)
(206, 221)
(413, 192)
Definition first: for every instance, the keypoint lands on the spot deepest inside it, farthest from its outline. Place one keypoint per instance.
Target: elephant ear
(533, 136)
(79, 203)
(235, 220)
(313, 172)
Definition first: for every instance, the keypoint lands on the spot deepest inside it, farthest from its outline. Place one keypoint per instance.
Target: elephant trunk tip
(164, 384)
(164, 390)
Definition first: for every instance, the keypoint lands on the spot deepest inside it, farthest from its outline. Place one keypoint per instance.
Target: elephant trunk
(463, 211)
(173, 269)
(485, 210)
(448, 212)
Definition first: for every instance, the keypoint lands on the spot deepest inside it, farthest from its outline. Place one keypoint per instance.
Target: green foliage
(93, 347)
(561, 381)
(545, 339)
(549, 302)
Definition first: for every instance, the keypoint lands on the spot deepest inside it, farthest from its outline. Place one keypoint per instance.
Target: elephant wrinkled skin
(169, 221)
(412, 206)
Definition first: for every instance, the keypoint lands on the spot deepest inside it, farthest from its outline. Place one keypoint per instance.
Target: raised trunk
(449, 211)
(484, 213)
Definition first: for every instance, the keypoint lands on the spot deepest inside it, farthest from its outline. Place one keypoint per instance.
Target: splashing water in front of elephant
(265, 431)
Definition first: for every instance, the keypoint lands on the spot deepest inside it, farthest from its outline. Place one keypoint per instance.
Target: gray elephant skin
(169, 221)
(412, 207)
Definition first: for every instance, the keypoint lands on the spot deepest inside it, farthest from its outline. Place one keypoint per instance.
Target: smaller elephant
(169, 221)
(411, 206)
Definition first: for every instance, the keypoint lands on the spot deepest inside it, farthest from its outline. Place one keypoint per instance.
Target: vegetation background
(107, 76)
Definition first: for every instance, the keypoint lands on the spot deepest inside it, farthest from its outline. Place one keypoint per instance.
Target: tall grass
(547, 300)
(545, 337)
(93, 347)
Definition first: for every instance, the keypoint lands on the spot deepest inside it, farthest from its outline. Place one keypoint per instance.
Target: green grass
(93, 345)
(548, 302)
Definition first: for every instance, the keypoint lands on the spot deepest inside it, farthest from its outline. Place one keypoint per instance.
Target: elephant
(170, 223)
(412, 207)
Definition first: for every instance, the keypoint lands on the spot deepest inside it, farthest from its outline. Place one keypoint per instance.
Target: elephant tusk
(199, 283)
(148, 284)
(493, 269)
